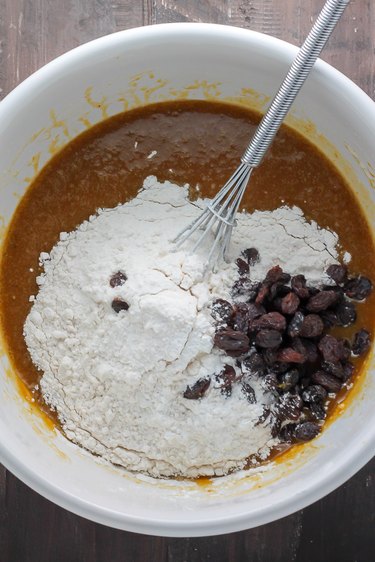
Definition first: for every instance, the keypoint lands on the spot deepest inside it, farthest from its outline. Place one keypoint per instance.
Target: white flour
(117, 380)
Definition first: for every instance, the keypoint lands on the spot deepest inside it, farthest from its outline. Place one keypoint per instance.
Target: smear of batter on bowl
(124, 330)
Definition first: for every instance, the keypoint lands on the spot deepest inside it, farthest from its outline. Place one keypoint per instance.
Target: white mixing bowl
(105, 77)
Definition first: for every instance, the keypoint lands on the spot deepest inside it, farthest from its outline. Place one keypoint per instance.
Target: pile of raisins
(116, 280)
(278, 329)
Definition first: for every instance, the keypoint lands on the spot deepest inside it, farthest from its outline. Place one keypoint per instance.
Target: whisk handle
(293, 82)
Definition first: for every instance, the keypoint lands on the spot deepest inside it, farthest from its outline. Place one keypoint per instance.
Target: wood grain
(339, 527)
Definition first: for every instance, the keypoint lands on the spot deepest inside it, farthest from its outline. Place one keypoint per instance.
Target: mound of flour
(117, 380)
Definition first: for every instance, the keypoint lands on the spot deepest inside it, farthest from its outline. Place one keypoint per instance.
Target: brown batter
(197, 142)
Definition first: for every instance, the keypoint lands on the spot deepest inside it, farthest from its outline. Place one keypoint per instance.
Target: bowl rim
(325, 483)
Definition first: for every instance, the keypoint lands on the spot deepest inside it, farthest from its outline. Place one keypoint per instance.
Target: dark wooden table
(338, 528)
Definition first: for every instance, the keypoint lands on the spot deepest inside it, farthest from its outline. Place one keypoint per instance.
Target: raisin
(298, 284)
(253, 291)
(311, 351)
(289, 407)
(345, 349)
(278, 290)
(335, 369)
(270, 356)
(275, 304)
(243, 286)
(274, 291)
(231, 341)
(271, 320)
(358, 288)
(248, 392)
(268, 338)
(361, 342)
(307, 348)
(348, 370)
(333, 350)
(338, 273)
(264, 415)
(285, 278)
(119, 304)
(317, 412)
(289, 380)
(241, 317)
(295, 324)
(117, 279)
(306, 431)
(329, 382)
(286, 433)
(225, 378)
(255, 310)
(222, 311)
(313, 291)
(274, 275)
(279, 366)
(290, 303)
(254, 364)
(244, 313)
(336, 289)
(262, 293)
(312, 326)
(314, 394)
(198, 389)
(275, 424)
(329, 318)
(243, 266)
(251, 255)
(226, 390)
(271, 381)
(345, 313)
(304, 382)
(322, 301)
(290, 355)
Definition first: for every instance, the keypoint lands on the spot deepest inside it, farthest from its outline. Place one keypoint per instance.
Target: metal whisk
(220, 213)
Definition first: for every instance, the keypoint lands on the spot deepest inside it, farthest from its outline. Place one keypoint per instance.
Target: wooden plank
(350, 49)
(33, 32)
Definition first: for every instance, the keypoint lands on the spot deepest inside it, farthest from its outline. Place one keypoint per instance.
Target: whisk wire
(221, 211)
(213, 209)
(223, 208)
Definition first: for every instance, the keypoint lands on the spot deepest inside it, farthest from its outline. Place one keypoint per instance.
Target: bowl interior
(127, 70)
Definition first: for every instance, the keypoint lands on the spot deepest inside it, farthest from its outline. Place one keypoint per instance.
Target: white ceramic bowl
(102, 78)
